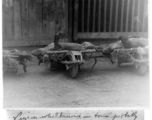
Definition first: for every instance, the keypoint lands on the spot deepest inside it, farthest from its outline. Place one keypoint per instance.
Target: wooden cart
(133, 55)
(71, 59)
(13, 61)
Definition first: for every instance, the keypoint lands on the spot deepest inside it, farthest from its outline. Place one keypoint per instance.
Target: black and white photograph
(75, 53)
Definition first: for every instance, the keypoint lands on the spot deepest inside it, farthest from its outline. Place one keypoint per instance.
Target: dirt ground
(105, 85)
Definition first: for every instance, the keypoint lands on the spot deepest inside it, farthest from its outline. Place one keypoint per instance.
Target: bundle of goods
(135, 50)
(138, 55)
(60, 46)
(133, 42)
(39, 53)
(111, 47)
(124, 42)
(13, 58)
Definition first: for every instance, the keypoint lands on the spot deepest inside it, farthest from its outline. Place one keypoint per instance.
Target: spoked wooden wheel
(142, 69)
(73, 70)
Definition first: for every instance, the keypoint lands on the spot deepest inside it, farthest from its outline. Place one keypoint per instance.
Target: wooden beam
(116, 18)
(82, 15)
(37, 21)
(133, 11)
(122, 11)
(88, 20)
(97, 35)
(99, 16)
(94, 14)
(8, 21)
(145, 7)
(21, 18)
(13, 22)
(75, 19)
(128, 5)
(105, 15)
(66, 18)
(30, 22)
(111, 8)
(28, 17)
(138, 14)
(70, 20)
(24, 19)
(17, 20)
(28, 43)
(37, 4)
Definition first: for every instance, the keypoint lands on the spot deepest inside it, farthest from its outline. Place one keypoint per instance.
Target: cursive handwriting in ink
(134, 114)
(116, 116)
(87, 116)
(49, 116)
(110, 116)
(97, 115)
(18, 115)
(62, 115)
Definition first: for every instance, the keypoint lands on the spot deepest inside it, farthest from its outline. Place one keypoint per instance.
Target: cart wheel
(73, 70)
(142, 69)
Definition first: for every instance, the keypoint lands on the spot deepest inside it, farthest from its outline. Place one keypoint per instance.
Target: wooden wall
(32, 22)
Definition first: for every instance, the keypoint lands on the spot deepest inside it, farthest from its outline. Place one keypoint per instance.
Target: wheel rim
(73, 70)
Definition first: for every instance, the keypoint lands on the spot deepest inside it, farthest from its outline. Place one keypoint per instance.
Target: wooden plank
(116, 18)
(21, 19)
(122, 11)
(4, 23)
(82, 15)
(145, 7)
(44, 19)
(66, 19)
(17, 20)
(76, 19)
(32, 19)
(111, 7)
(128, 5)
(70, 20)
(88, 20)
(24, 4)
(99, 16)
(138, 14)
(27, 43)
(97, 35)
(13, 20)
(105, 14)
(133, 11)
(8, 20)
(38, 20)
(94, 13)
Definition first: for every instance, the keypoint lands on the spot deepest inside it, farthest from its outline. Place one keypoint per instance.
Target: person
(58, 26)
(58, 35)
